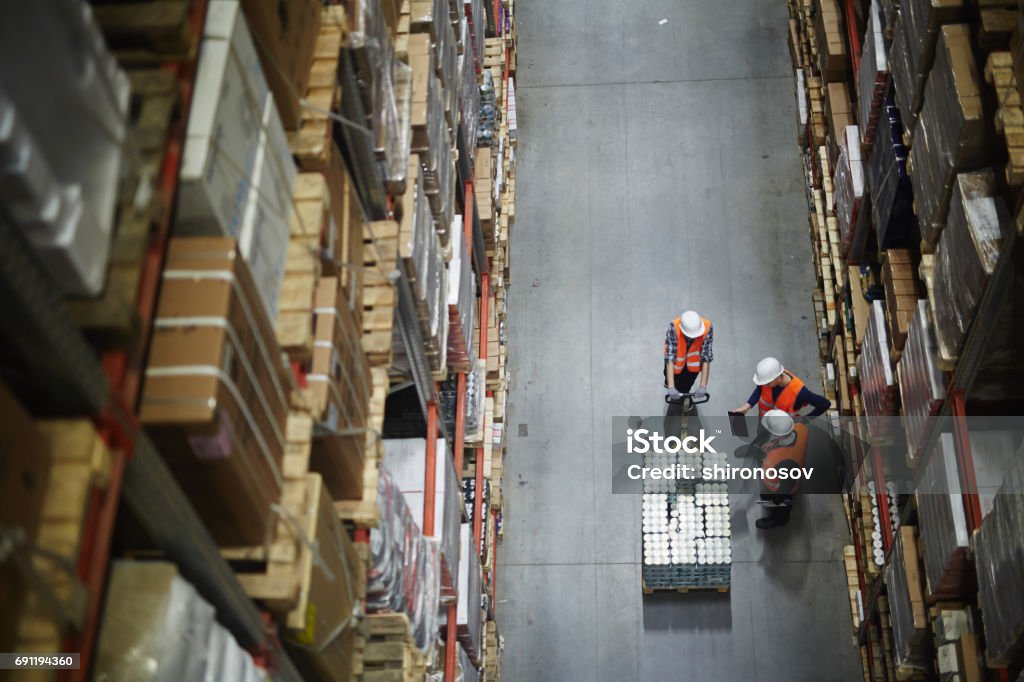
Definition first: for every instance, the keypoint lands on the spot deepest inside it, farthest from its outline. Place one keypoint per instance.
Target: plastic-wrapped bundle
(911, 636)
(905, 77)
(379, 74)
(487, 123)
(950, 135)
(469, 100)
(849, 182)
(64, 105)
(470, 611)
(877, 382)
(943, 526)
(921, 386)
(922, 21)
(892, 195)
(999, 546)
(873, 75)
(158, 628)
(404, 573)
(889, 8)
(965, 258)
(461, 302)
(476, 383)
(405, 459)
(476, 20)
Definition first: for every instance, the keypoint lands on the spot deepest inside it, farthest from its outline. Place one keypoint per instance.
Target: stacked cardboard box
(873, 76)
(965, 258)
(849, 182)
(214, 398)
(833, 55)
(902, 290)
(839, 113)
(237, 173)
(921, 385)
(915, 34)
(461, 302)
(911, 641)
(950, 135)
(941, 519)
(877, 381)
(339, 393)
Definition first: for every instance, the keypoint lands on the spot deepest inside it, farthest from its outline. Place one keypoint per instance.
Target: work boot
(768, 522)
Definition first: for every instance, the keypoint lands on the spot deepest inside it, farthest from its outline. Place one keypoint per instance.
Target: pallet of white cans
(686, 537)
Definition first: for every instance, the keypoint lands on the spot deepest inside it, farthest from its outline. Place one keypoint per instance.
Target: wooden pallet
(723, 589)
(111, 320)
(294, 324)
(80, 463)
(149, 33)
(1009, 119)
(312, 144)
(388, 653)
(364, 512)
(380, 248)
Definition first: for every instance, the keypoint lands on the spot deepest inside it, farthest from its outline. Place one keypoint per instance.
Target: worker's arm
(819, 403)
(670, 356)
(707, 355)
(751, 401)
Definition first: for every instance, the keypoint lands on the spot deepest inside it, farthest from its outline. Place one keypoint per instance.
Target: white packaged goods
(223, 128)
(406, 460)
(63, 118)
(263, 240)
(158, 629)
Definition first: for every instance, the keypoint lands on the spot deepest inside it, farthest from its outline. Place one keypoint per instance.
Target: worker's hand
(700, 392)
(742, 409)
(672, 393)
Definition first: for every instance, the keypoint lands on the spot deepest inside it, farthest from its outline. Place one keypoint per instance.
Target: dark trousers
(684, 380)
(780, 508)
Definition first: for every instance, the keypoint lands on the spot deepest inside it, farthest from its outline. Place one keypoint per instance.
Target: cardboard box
(285, 37)
(339, 390)
(24, 472)
(215, 395)
(321, 628)
(223, 130)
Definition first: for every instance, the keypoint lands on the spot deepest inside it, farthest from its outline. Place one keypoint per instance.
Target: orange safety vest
(688, 355)
(787, 397)
(794, 455)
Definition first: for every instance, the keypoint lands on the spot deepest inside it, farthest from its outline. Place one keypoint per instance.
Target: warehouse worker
(786, 448)
(777, 389)
(688, 353)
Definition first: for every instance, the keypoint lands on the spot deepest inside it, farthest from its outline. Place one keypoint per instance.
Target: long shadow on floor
(700, 610)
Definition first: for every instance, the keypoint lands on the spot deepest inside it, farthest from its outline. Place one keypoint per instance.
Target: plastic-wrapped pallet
(63, 119)
(404, 574)
(470, 611)
(878, 384)
(157, 628)
(461, 302)
(476, 20)
(378, 73)
(922, 389)
(469, 98)
(849, 182)
(911, 636)
(873, 75)
(998, 547)
(950, 134)
(405, 460)
(908, 82)
(943, 526)
(892, 195)
(965, 258)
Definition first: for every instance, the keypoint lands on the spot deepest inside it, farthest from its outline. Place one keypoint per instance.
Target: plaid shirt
(706, 354)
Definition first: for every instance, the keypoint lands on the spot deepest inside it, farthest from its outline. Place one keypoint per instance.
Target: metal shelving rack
(960, 382)
(56, 372)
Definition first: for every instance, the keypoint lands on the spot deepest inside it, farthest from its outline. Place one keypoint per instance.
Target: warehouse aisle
(658, 170)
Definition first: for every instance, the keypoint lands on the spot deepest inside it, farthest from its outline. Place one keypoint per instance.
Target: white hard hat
(778, 422)
(692, 325)
(767, 370)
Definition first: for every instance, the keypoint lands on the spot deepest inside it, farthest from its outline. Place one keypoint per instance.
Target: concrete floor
(658, 170)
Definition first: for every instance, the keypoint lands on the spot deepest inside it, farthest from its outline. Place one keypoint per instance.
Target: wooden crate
(312, 143)
(364, 512)
(388, 652)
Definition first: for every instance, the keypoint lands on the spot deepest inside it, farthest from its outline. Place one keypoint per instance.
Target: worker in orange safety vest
(688, 354)
(775, 388)
(786, 449)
